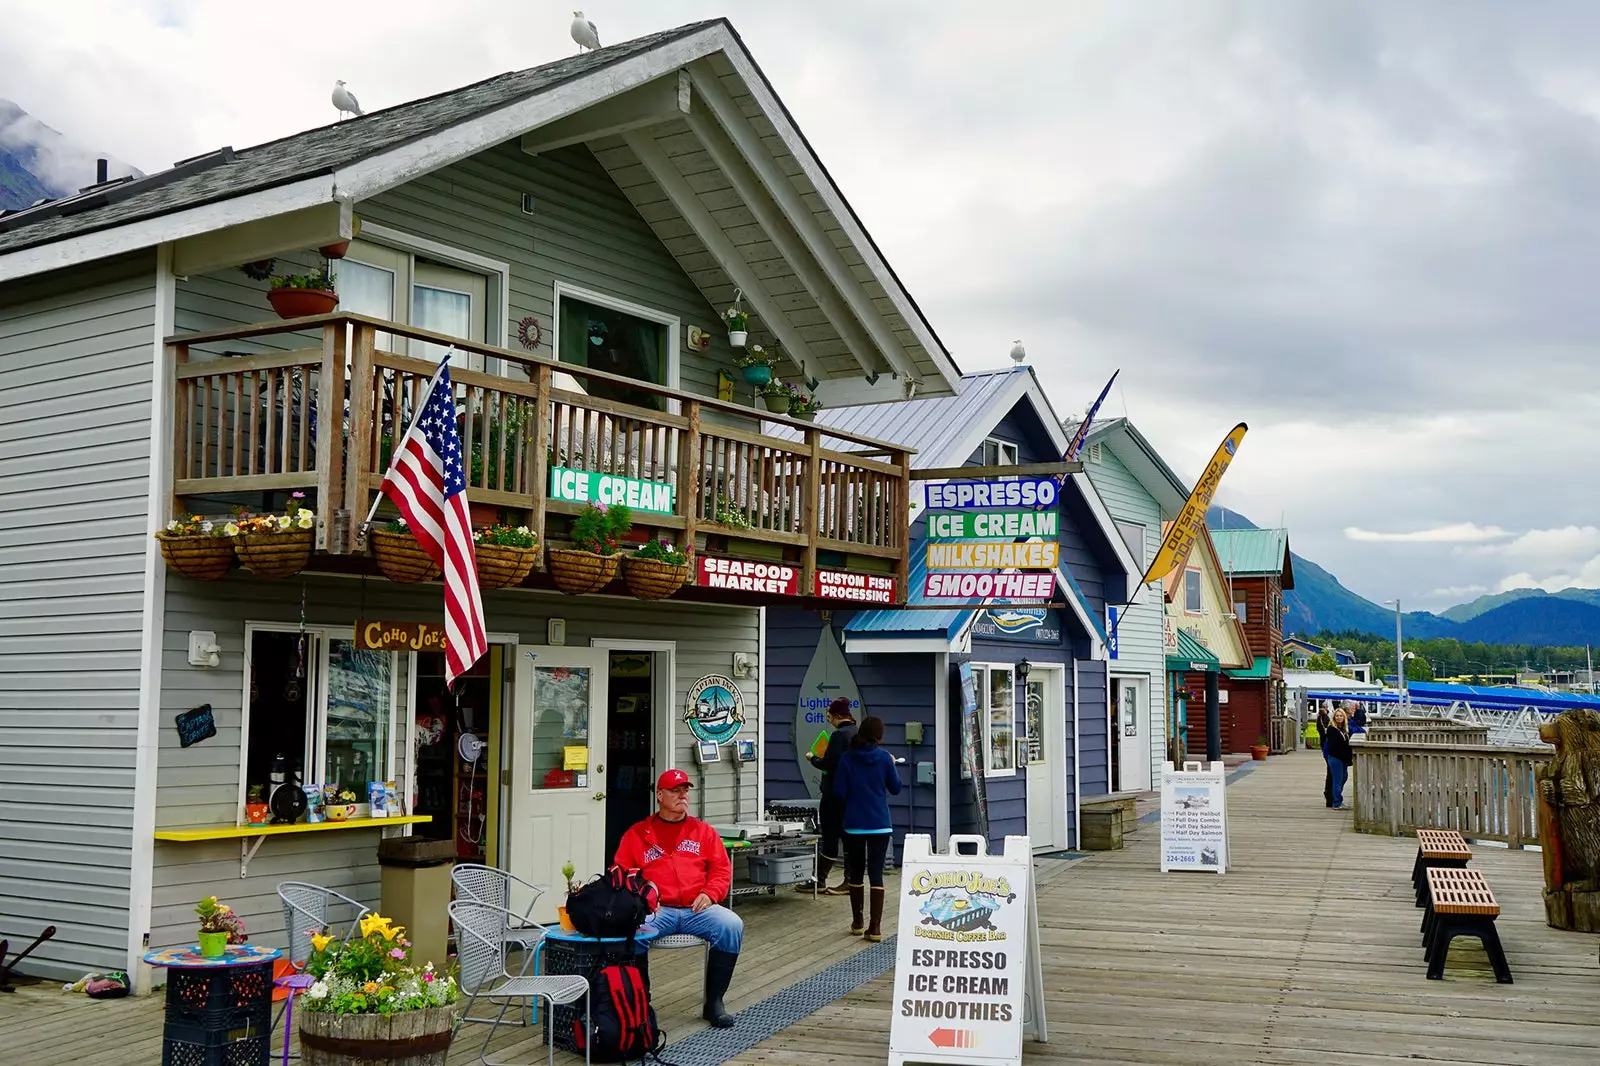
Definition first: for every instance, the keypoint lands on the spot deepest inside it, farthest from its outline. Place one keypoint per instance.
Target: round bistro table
(563, 952)
(218, 1011)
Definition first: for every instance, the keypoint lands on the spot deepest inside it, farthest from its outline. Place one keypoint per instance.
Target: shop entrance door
(558, 771)
(1045, 749)
(1130, 736)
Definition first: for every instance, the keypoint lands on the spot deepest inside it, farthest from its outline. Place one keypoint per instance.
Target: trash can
(416, 892)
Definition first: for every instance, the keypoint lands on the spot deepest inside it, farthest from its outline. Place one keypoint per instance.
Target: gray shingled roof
(304, 155)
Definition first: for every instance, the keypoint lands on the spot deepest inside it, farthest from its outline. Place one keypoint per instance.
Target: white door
(557, 789)
(1045, 751)
(1131, 722)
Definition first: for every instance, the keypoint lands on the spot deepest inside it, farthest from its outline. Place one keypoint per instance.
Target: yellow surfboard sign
(1191, 520)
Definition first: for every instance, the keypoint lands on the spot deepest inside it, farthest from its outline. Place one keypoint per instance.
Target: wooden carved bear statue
(1569, 822)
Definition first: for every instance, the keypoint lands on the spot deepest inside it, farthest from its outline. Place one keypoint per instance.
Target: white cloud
(1453, 593)
(1460, 533)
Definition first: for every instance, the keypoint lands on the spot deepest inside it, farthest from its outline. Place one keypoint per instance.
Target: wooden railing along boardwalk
(1485, 793)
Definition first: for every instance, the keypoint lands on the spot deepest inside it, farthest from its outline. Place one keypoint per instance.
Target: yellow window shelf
(251, 836)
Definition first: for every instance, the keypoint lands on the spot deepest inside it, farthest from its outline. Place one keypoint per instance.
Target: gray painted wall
(74, 465)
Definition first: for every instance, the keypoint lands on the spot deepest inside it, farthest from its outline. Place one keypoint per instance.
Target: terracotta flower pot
(576, 572)
(336, 250)
(302, 303)
(1259, 752)
(202, 558)
(566, 922)
(257, 813)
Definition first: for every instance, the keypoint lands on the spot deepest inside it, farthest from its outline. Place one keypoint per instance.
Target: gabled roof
(1143, 462)
(1254, 553)
(1211, 568)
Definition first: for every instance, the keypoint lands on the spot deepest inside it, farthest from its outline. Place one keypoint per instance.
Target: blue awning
(1439, 694)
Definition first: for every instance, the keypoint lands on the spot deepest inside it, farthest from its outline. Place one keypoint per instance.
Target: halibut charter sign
(1191, 521)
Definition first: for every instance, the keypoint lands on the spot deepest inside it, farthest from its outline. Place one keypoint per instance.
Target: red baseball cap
(673, 779)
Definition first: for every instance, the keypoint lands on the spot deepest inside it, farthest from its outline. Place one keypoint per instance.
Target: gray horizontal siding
(75, 378)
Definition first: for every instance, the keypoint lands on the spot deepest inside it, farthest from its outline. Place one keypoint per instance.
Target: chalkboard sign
(196, 724)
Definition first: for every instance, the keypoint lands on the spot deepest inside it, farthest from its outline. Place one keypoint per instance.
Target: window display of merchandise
(452, 762)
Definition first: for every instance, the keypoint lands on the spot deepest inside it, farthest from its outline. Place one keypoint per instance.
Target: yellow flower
(370, 987)
(320, 941)
(284, 522)
(372, 923)
(391, 933)
(304, 513)
(231, 529)
(306, 523)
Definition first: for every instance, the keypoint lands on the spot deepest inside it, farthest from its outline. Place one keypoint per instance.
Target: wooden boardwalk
(1307, 951)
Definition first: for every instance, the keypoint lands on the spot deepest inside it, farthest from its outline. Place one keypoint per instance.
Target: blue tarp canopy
(1440, 694)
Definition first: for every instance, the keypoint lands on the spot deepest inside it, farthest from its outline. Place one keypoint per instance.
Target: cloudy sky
(1368, 229)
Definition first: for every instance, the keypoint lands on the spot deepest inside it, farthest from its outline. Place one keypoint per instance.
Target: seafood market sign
(967, 956)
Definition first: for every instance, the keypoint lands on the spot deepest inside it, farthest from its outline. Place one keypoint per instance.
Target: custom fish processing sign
(714, 710)
(967, 980)
(1194, 818)
(591, 486)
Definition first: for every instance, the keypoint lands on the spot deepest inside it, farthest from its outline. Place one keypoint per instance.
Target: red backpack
(622, 1024)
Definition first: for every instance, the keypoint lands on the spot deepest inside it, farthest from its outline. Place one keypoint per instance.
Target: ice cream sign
(591, 486)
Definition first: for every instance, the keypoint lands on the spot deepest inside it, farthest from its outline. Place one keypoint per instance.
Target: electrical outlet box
(913, 732)
(924, 773)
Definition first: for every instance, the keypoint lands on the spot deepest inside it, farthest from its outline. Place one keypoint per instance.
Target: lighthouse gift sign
(967, 980)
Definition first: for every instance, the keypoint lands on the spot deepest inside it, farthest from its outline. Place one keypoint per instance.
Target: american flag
(427, 482)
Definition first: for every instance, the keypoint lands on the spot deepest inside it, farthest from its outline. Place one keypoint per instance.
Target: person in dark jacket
(829, 807)
(1324, 724)
(1358, 717)
(865, 779)
(1339, 756)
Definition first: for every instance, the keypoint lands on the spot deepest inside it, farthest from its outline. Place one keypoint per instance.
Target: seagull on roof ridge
(345, 100)
(584, 33)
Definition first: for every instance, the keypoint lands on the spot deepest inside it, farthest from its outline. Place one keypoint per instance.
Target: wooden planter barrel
(576, 573)
(202, 558)
(652, 579)
(274, 554)
(400, 557)
(410, 1038)
(502, 566)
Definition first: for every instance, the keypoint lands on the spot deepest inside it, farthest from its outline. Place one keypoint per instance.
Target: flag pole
(427, 394)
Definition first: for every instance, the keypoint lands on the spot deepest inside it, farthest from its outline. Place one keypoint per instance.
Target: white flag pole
(394, 454)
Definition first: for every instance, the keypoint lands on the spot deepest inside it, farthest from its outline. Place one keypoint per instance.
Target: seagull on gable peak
(584, 33)
(345, 100)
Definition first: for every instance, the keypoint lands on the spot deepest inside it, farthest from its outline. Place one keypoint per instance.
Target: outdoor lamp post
(1399, 654)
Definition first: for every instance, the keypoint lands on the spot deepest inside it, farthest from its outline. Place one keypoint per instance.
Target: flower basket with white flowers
(399, 555)
(656, 570)
(275, 545)
(506, 555)
(369, 1003)
(738, 325)
(755, 365)
(197, 547)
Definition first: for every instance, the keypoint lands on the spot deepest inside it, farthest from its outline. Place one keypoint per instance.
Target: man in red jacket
(686, 861)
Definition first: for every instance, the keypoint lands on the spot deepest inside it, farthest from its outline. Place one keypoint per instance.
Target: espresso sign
(399, 636)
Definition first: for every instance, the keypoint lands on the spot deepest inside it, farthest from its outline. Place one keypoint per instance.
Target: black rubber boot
(719, 974)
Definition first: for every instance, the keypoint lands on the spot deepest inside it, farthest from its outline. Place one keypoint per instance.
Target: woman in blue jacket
(864, 780)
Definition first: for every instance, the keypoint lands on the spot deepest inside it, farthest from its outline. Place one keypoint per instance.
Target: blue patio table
(219, 1010)
(564, 952)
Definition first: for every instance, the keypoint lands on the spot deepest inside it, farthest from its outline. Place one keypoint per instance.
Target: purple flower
(397, 953)
(428, 977)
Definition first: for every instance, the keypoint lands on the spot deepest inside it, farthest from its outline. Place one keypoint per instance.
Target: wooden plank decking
(1308, 951)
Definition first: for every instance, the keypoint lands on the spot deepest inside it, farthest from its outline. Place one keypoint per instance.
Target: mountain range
(1522, 616)
(38, 163)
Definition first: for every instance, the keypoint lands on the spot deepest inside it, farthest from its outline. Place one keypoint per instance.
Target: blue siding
(1093, 729)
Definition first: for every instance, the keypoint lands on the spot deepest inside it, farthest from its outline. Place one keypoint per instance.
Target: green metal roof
(1254, 552)
(1261, 668)
(1192, 655)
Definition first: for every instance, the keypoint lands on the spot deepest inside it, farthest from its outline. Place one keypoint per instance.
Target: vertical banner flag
(427, 481)
(1191, 521)
(1082, 433)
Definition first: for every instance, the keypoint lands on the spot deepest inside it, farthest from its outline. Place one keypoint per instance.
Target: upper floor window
(998, 452)
(1239, 609)
(1191, 591)
(1133, 537)
(600, 333)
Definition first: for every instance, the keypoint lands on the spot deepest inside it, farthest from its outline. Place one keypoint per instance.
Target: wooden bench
(1460, 904)
(1126, 802)
(1437, 848)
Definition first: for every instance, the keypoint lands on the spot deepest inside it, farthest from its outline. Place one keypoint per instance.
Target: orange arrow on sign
(953, 1038)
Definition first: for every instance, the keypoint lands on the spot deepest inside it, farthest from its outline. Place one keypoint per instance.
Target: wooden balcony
(249, 428)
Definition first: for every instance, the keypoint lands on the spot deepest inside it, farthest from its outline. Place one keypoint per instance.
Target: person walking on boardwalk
(830, 809)
(1324, 724)
(1339, 756)
(865, 779)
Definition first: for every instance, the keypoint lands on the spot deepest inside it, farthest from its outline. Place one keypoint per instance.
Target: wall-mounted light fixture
(203, 649)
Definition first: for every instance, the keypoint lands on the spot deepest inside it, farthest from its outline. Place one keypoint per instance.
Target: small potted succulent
(802, 406)
(256, 810)
(506, 555)
(569, 872)
(275, 545)
(738, 325)
(302, 295)
(656, 570)
(219, 927)
(197, 547)
(591, 563)
(755, 365)
(776, 395)
(399, 555)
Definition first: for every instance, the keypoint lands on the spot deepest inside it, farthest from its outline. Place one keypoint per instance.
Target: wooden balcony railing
(254, 422)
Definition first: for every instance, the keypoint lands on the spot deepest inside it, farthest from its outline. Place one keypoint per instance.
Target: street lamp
(1399, 653)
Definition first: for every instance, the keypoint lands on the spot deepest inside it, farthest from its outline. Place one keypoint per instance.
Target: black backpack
(615, 904)
(622, 1023)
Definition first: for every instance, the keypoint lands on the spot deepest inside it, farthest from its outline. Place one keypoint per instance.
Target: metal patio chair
(308, 909)
(481, 959)
(492, 885)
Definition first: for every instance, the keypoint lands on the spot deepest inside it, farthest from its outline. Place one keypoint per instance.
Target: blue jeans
(716, 925)
(1341, 773)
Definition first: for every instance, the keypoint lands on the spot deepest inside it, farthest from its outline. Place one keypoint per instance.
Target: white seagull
(584, 33)
(345, 100)
(1018, 352)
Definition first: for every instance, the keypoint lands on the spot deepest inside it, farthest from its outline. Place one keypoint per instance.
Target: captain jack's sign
(591, 486)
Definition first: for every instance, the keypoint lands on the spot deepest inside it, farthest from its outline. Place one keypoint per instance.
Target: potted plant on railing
(776, 395)
(197, 547)
(302, 295)
(656, 570)
(591, 563)
(738, 325)
(399, 555)
(1261, 749)
(369, 1003)
(506, 555)
(275, 545)
(755, 365)
(802, 406)
(219, 927)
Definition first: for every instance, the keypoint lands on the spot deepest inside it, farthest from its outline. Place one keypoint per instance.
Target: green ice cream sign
(590, 486)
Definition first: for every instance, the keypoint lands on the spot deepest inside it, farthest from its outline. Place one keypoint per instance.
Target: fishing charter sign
(967, 979)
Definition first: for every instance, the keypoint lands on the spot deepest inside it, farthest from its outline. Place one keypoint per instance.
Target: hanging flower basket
(501, 566)
(651, 579)
(204, 558)
(400, 557)
(274, 554)
(777, 402)
(737, 337)
(576, 573)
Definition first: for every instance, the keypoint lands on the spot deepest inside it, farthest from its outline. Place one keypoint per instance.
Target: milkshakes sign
(967, 956)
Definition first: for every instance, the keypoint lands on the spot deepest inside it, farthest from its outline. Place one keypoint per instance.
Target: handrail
(1485, 793)
(531, 362)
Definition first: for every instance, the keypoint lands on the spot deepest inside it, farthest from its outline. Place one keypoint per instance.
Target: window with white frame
(319, 711)
(603, 333)
(1133, 537)
(1191, 591)
(1239, 611)
(996, 689)
(997, 452)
